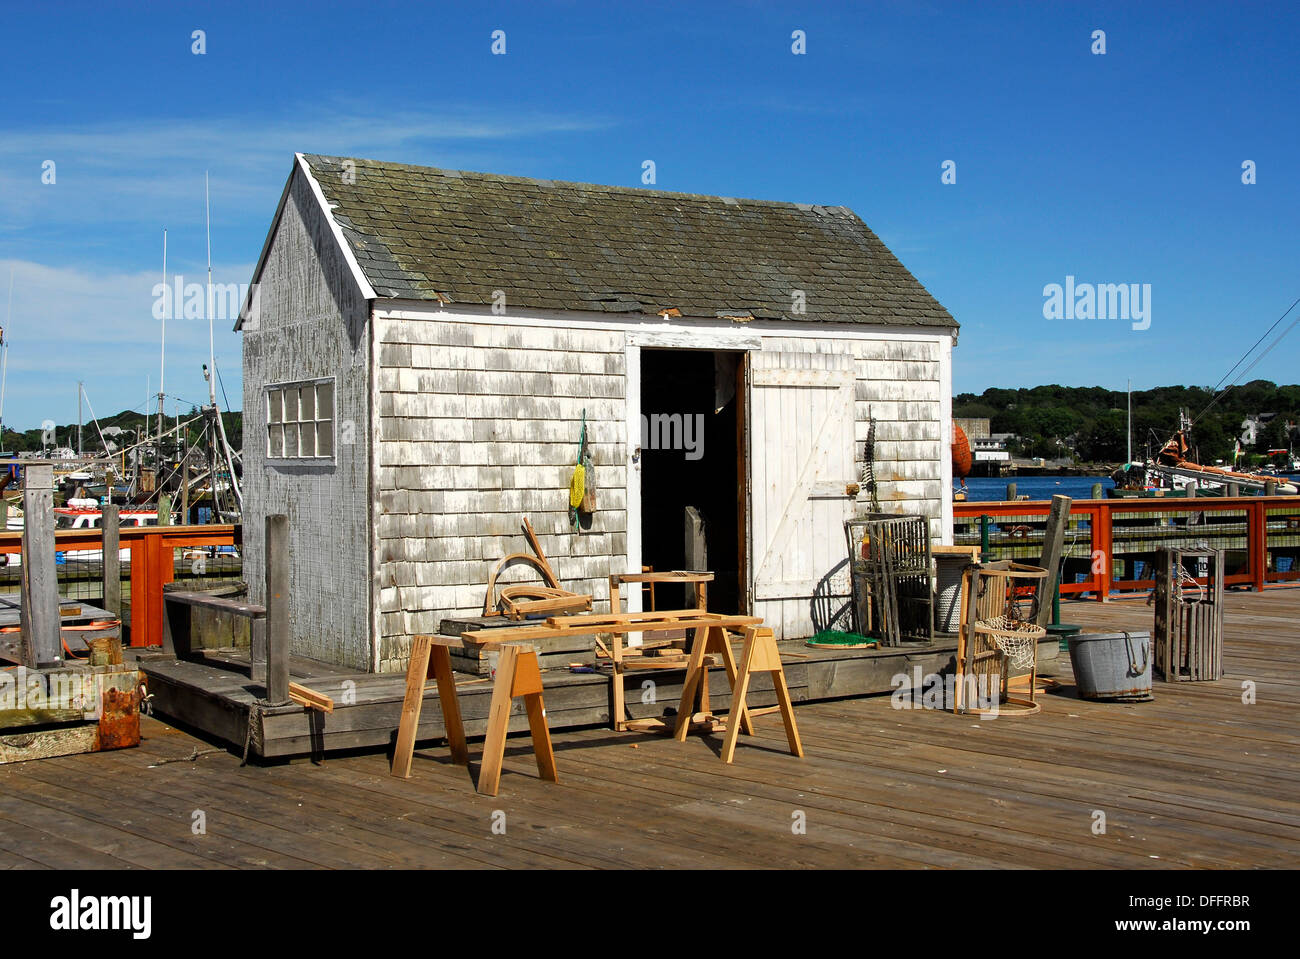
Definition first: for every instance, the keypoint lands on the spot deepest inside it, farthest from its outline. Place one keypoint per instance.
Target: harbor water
(993, 489)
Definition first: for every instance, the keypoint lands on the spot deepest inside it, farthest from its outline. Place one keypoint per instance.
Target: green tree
(1105, 439)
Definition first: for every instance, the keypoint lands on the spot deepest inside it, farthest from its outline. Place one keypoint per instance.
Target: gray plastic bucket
(1112, 665)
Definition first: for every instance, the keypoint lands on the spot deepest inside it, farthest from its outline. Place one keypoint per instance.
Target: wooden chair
(647, 579)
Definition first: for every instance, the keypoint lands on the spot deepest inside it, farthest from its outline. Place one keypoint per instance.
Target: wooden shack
(422, 347)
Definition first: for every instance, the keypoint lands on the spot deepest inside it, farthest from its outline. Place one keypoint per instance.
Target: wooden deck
(1194, 779)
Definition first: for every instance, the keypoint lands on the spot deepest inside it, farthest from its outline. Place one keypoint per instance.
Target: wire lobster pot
(889, 556)
(999, 634)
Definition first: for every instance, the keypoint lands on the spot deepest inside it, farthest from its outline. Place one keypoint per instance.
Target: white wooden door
(802, 444)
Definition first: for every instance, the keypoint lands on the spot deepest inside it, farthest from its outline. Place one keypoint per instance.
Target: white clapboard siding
(802, 436)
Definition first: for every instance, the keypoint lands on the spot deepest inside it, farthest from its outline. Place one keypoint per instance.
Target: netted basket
(1017, 639)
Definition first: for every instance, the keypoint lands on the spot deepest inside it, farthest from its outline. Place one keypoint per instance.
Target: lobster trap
(1189, 614)
(999, 635)
(889, 556)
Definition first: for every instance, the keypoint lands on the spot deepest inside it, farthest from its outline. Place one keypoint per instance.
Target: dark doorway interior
(681, 391)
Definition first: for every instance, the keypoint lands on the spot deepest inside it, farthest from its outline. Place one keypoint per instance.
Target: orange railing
(1110, 543)
(152, 564)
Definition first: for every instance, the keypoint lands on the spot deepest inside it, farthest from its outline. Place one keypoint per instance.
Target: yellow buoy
(577, 486)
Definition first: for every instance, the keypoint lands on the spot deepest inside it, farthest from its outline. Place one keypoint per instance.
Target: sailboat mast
(162, 361)
(4, 360)
(207, 208)
(218, 432)
(1129, 444)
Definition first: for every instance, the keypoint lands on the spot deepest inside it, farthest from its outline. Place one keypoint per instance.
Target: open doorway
(693, 456)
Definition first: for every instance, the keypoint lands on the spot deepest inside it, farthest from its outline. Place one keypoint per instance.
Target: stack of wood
(651, 654)
(521, 600)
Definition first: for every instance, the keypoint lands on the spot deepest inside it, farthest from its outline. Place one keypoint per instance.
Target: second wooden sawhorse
(759, 653)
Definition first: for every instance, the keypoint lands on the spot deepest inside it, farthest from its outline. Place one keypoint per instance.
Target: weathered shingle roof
(429, 234)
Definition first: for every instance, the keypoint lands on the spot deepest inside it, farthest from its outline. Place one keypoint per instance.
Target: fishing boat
(1173, 473)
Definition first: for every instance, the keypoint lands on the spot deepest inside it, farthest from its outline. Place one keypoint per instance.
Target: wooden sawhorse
(758, 655)
(517, 674)
(709, 632)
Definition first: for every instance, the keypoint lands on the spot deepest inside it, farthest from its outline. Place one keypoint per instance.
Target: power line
(1257, 342)
(1261, 356)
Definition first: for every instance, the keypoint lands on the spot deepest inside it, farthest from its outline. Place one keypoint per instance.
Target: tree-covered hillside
(65, 435)
(1089, 422)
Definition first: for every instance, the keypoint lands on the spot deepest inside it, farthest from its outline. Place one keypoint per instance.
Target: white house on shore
(423, 347)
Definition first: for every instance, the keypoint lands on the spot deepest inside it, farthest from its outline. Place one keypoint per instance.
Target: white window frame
(278, 455)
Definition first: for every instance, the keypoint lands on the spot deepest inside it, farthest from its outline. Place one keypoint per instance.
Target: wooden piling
(110, 526)
(185, 493)
(277, 608)
(40, 585)
(1053, 546)
(164, 509)
(1011, 492)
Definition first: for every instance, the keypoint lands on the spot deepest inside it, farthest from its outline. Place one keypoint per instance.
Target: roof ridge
(608, 187)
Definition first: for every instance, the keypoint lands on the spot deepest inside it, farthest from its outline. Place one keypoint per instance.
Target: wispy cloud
(83, 292)
(142, 170)
(71, 324)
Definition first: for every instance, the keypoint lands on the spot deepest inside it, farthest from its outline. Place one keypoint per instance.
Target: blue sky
(1117, 168)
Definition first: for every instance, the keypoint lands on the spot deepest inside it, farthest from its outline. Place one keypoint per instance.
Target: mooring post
(164, 509)
(1096, 491)
(1053, 547)
(110, 525)
(1011, 492)
(40, 584)
(277, 608)
(185, 493)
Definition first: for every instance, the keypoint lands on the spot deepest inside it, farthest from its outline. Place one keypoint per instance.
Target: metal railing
(201, 555)
(1110, 544)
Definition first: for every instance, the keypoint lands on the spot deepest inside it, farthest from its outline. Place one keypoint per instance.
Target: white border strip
(367, 291)
(706, 330)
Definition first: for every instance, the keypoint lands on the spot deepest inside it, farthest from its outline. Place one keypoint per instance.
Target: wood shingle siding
(487, 420)
(312, 322)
